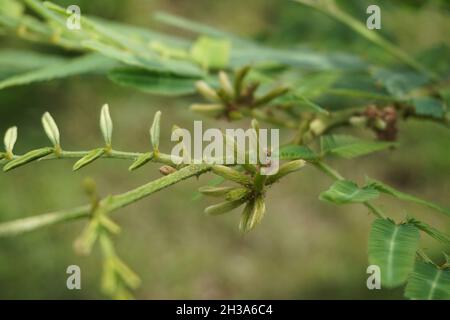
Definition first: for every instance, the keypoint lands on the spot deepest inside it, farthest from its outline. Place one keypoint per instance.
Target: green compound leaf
(429, 107)
(350, 147)
(294, 152)
(89, 158)
(432, 232)
(428, 283)
(393, 248)
(400, 83)
(344, 191)
(84, 64)
(158, 83)
(384, 188)
(211, 53)
(27, 158)
(21, 60)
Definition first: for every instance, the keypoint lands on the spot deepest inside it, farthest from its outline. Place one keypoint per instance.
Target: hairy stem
(111, 203)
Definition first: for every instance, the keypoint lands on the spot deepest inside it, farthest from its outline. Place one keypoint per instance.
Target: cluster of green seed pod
(233, 99)
(251, 192)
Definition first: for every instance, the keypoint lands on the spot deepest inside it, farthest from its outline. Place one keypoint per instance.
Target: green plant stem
(337, 176)
(24, 225)
(111, 203)
(113, 154)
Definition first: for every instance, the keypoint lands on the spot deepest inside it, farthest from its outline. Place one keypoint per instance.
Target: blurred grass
(304, 248)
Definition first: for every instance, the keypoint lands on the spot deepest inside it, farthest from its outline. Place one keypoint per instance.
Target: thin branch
(111, 203)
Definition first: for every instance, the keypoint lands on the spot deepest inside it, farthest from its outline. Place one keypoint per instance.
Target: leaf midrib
(391, 253)
(434, 284)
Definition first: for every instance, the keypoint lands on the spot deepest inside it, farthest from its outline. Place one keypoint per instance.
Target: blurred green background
(304, 249)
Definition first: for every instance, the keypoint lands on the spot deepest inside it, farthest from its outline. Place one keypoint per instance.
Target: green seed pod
(223, 207)
(239, 80)
(271, 95)
(28, 157)
(90, 157)
(245, 217)
(141, 160)
(225, 83)
(237, 194)
(106, 124)
(215, 191)
(155, 130)
(231, 174)
(208, 109)
(258, 212)
(286, 169)
(206, 91)
(10, 140)
(51, 129)
(252, 215)
(235, 115)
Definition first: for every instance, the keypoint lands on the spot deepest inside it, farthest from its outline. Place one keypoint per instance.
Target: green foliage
(431, 107)
(27, 158)
(211, 53)
(89, 158)
(393, 248)
(293, 152)
(350, 147)
(382, 187)
(154, 82)
(306, 93)
(428, 282)
(342, 192)
(91, 63)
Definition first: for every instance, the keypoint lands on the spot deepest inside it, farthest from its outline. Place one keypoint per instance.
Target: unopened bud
(317, 127)
(358, 121)
(380, 124)
(206, 91)
(225, 83)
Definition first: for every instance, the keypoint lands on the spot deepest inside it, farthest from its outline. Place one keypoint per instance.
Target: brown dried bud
(166, 170)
